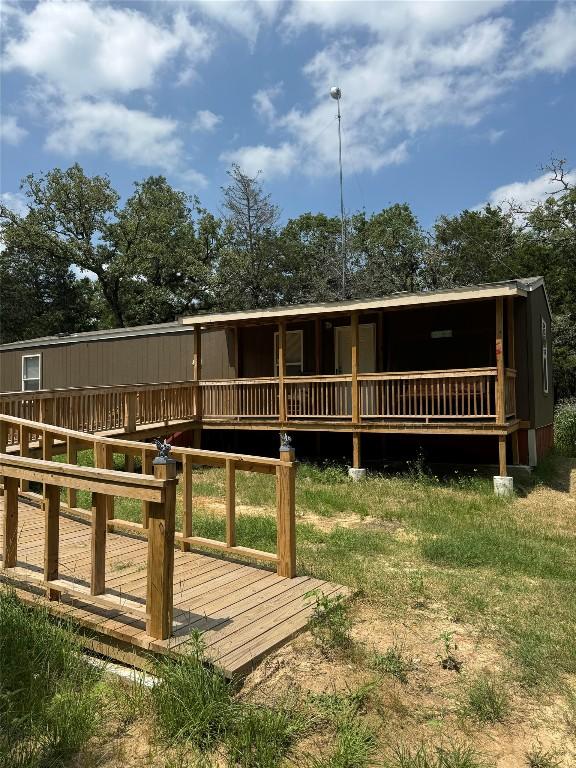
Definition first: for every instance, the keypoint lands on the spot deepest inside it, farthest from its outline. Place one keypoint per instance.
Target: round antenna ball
(335, 92)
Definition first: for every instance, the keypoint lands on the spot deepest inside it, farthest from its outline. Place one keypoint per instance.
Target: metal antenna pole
(343, 235)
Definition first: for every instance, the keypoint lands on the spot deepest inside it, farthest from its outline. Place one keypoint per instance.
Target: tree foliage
(160, 254)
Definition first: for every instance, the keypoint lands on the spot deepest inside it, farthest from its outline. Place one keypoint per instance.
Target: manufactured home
(464, 373)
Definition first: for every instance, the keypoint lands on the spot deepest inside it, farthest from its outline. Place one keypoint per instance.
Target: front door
(343, 348)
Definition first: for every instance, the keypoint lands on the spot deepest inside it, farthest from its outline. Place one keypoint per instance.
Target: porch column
(198, 369)
(503, 484)
(281, 370)
(500, 370)
(317, 346)
(355, 471)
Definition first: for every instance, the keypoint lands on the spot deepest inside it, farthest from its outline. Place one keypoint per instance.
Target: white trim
(544, 355)
(532, 450)
(38, 378)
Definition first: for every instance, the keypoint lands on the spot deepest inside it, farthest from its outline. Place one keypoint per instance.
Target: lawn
(457, 651)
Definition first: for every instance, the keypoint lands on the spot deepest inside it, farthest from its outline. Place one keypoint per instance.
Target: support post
(515, 448)
(502, 455)
(10, 554)
(130, 412)
(3, 439)
(356, 450)
(47, 443)
(500, 369)
(51, 537)
(230, 503)
(198, 370)
(511, 340)
(146, 470)
(104, 459)
(286, 510)
(159, 601)
(98, 544)
(72, 458)
(503, 484)
(318, 362)
(46, 410)
(281, 371)
(355, 348)
(187, 500)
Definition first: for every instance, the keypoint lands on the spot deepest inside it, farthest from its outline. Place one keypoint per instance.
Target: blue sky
(445, 105)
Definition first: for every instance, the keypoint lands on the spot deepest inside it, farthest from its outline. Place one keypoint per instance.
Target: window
(31, 377)
(294, 353)
(545, 381)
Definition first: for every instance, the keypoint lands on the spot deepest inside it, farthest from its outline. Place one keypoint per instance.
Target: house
(464, 371)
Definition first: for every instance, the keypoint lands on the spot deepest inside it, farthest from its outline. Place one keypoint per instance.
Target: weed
(262, 737)
(330, 623)
(538, 757)
(393, 662)
(454, 756)
(486, 700)
(49, 695)
(130, 700)
(192, 702)
(447, 658)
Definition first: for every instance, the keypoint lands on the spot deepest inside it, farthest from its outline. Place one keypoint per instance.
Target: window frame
(291, 365)
(38, 378)
(544, 355)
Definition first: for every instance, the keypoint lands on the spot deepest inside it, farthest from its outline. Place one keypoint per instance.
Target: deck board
(242, 610)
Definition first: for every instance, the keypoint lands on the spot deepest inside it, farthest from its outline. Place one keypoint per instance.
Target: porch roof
(393, 301)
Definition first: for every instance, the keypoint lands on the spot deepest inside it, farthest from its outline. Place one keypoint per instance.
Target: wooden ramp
(242, 611)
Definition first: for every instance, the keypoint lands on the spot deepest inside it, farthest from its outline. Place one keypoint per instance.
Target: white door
(343, 348)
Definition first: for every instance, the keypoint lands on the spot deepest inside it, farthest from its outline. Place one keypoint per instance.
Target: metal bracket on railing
(164, 449)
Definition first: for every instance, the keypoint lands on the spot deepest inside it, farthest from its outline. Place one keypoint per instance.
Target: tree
(40, 296)
(146, 259)
(387, 250)
(311, 268)
(247, 273)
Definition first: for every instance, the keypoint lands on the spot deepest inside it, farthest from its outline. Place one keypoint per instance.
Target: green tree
(40, 296)
(248, 269)
(311, 260)
(386, 251)
(473, 247)
(146, 258)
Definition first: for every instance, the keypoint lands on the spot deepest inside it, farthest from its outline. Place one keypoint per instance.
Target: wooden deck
(242, 611)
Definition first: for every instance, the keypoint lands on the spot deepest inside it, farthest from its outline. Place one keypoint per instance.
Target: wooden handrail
(108, 388)
(60, 440)
(158, 490)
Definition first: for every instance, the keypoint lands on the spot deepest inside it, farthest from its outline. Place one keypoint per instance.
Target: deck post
(198, 370)
(515, 448)
(72, 458)
(317, 346)
(281, 371)
(187, 500)
(3, 437)
(500, 369)
(286, 510)
(10, 555)
(146, 470)
(159, 600)
(130, 412)
(354, 346)
(46, 411)
(51, 536)
(104, 459)
(230, 503)
(98, 544)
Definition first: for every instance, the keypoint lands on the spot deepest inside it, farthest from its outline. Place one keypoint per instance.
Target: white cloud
(275, 161)
(15, 201)
(494, 135)
(244, 17)
(404, 68)
(526, 193)
(264, 101)
(10, 131)
(82, 48)
(205, 120)
(126, 134)
(550, 45)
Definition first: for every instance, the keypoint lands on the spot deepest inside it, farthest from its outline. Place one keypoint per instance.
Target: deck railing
(157, 491)
(50, 441)
(105, 409)
(423, 396)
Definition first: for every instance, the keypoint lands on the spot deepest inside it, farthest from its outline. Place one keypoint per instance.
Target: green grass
(454, 756)
(486, 699)
(50, 702)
